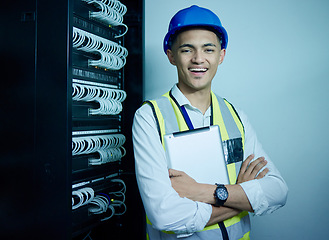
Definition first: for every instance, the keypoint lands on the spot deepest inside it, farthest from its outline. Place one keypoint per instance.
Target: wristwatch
(220, 194)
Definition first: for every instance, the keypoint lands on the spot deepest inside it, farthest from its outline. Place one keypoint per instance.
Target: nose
(198, 57)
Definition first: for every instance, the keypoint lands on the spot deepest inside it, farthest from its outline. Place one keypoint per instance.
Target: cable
(118, 204)
(110, 100)
(87, 236)
(109, 147)
(101, 202)
(111, 13)
(122, 182)
(112, 55)
(83, 195)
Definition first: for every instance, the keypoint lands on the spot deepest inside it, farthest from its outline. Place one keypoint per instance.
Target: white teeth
(198, 69)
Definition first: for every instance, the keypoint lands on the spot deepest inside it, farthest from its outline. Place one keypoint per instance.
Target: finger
(258, 167)
(245, 164)
(262, 173)
(253, 164)
(244, 167)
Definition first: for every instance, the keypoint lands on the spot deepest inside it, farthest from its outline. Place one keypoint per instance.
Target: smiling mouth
(198, 70)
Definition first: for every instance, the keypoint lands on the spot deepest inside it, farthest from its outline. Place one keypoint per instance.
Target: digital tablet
(199, 153)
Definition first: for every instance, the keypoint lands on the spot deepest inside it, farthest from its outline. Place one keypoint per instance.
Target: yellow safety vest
(170, 119)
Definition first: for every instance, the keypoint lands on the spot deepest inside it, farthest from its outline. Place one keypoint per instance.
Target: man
(175, 204)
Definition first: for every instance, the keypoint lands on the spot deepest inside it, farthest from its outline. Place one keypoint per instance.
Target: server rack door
(17, 117)
(39, 118)
(34, 120)
(53, 118)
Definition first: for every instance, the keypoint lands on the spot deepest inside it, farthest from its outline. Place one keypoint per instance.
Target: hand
(249, 170)
(183, 184)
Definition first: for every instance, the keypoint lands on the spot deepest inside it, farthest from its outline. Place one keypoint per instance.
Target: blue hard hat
(195, 16)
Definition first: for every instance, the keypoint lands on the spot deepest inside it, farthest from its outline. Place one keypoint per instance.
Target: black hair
(173, 36)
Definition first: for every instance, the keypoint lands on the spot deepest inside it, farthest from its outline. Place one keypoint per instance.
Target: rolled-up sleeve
(269, 193)
(165, 209)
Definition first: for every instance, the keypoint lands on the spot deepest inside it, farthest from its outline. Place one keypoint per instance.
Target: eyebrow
(191, 46)
(209, 45)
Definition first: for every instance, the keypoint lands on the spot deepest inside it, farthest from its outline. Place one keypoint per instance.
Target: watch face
(222, 193)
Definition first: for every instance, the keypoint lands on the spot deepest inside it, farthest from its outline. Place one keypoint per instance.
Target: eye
(209, 50)
(185, 50)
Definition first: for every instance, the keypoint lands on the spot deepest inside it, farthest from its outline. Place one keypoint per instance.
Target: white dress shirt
(164, 207)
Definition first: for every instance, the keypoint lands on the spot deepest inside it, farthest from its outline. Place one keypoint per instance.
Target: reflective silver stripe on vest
(232, 129)
(204, 235)
(170, 120)
(236, 231)
(237, 168)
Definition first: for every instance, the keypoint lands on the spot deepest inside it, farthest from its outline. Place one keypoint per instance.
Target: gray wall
(277, 70)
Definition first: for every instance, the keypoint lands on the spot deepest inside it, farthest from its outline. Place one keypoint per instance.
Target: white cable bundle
(110, 100)
(120, 194)
(100, 204)
(91, 144)
(108, 155)
(103, 202)
(111, 12)
(84, 196)
(112, 55)
(109, 147)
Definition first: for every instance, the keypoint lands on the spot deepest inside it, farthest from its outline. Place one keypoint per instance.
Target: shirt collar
(183, 101)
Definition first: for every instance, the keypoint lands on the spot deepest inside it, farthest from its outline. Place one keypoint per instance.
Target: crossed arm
(237, 200)
(169, 212)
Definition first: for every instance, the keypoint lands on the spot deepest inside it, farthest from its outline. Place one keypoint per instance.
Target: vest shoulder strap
(232, 108)
(166, 123)
(155, 115)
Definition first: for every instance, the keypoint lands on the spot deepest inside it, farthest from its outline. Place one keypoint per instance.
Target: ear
(222, 56)
(171, 57)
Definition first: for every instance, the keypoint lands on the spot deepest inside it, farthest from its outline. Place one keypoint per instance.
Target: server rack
(40, 122)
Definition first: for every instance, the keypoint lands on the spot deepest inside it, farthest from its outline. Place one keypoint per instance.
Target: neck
(199, 99)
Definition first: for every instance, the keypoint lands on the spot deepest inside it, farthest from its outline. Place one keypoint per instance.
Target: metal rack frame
(36, 125)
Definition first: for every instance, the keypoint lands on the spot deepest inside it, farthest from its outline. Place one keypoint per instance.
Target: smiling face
(196, 53)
